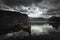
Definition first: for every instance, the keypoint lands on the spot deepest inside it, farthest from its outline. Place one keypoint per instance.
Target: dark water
(39, 31)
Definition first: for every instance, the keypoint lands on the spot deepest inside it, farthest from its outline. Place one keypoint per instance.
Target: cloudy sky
(39, 8)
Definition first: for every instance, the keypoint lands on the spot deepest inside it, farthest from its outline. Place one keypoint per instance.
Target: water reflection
(40, 29)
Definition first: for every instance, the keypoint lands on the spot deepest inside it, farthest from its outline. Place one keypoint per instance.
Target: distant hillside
(38, 19)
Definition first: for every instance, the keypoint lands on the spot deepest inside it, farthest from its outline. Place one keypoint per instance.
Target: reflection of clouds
(43, 29)
(36, 29)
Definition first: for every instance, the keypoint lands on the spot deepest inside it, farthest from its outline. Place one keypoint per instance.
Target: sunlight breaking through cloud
(34, 11)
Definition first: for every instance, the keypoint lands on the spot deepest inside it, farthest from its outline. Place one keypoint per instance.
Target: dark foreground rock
(11, 21)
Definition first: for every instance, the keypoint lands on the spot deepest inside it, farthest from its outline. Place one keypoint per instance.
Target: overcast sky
(51, 5)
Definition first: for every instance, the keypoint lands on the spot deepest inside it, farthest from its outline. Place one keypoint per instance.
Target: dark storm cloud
(53, 12)
(51, 4)
(42, 3)
(55, 3)
(20, 2)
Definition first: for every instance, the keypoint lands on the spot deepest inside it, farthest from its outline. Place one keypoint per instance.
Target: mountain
(38, 19)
